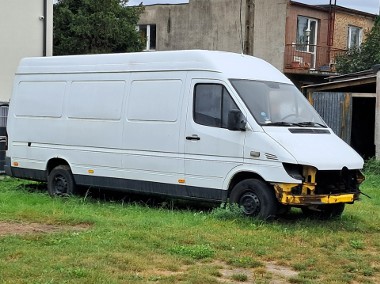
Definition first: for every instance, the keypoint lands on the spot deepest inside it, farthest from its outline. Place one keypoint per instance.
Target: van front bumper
(285, 195)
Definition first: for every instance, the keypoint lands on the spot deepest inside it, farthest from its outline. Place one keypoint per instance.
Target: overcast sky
(370, 6)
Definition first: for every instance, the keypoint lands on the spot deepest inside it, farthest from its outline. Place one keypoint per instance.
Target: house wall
(198, 25)
(215, 25)
(269, 31)
(22, 35)
(294, 11)
(343, 20)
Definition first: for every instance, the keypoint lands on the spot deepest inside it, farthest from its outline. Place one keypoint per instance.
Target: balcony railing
(304, 58)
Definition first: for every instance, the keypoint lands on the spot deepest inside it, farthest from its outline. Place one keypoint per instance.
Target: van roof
(232, 65)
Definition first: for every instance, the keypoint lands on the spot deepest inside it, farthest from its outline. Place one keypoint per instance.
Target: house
(301, 40)
(237, 26)
(26, 29)
(317, 35)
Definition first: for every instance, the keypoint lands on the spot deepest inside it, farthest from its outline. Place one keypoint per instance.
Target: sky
(369, 6)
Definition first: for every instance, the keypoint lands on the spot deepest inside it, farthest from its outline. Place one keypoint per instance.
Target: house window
(354, 37)
(148, 32)
(306, 38)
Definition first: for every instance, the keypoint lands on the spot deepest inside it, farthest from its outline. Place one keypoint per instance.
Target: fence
(311, 57)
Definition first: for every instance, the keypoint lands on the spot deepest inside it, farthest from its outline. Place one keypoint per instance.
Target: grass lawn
(112, 240)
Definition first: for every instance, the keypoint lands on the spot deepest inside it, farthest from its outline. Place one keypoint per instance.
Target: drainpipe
(249, 27)
(331, 23)
(44, 35)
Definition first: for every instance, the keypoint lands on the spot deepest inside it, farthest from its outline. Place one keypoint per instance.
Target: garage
(350, 105)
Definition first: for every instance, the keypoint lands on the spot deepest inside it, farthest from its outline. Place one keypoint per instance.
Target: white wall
(22, 35)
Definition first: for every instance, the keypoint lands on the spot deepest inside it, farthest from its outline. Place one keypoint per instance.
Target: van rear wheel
(61, 181)
(255, 198)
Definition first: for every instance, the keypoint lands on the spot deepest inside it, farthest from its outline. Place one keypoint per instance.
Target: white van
(204, 125)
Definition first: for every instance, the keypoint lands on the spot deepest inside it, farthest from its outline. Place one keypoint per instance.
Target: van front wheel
(61, 181)
(255, 198)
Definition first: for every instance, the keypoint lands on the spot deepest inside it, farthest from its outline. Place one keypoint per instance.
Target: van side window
(212, 103)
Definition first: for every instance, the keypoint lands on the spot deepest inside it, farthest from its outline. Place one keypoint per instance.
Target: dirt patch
(280, 270)
(269, 272)
(9, 228)
(278, 274)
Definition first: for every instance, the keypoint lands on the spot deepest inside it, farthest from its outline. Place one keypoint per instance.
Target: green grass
(240, 277)
(129, 242)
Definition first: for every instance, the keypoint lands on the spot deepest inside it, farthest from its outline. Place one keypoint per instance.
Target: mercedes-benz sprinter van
(205, 125)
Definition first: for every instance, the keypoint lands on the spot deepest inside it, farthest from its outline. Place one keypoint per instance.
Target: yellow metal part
(338, 198)
(285, 196)
(304, 194)
(309, 174)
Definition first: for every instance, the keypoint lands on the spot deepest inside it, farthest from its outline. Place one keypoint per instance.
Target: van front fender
(271, 172)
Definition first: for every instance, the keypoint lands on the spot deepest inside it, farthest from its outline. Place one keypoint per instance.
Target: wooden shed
(350, 105)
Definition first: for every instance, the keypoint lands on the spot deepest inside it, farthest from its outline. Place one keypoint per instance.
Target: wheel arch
(54, 162)
(243, 175)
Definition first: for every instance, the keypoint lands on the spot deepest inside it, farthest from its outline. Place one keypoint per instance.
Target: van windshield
(277, 104)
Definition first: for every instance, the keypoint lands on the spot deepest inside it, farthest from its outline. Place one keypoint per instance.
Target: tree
(362, 58)
(96, 26)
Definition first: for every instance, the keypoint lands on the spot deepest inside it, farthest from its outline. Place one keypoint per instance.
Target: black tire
(255, 198)
(324, 212)
(61, 182)
(282, 209)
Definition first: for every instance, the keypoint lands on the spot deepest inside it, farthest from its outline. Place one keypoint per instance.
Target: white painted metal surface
(128, 116)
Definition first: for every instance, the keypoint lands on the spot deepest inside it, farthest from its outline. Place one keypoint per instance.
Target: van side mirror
(236, 120)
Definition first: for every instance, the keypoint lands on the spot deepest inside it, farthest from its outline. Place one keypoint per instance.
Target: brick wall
(343, 20)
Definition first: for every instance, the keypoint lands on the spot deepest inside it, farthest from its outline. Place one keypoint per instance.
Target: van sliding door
(152, 160)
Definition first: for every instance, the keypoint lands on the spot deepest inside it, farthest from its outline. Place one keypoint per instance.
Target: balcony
(311, 59)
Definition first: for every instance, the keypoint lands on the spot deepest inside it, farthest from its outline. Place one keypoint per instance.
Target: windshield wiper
(280, 123)
(299, 124)
(311, 124)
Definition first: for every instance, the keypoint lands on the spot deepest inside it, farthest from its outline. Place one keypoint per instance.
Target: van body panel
(152, 187)
(266, 170)
(266, 148)
(190, 60)
(325, 151)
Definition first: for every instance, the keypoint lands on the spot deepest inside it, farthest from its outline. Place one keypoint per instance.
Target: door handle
(193, 137)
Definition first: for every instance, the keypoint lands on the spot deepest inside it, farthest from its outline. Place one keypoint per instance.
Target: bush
(372, 167)
(228, 212)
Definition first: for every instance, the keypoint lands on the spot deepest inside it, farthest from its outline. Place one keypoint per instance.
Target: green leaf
(95, 26)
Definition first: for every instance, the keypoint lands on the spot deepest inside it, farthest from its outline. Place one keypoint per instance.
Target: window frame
(310, 47)
(224, 91)
(148, 36)
(349, 37)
